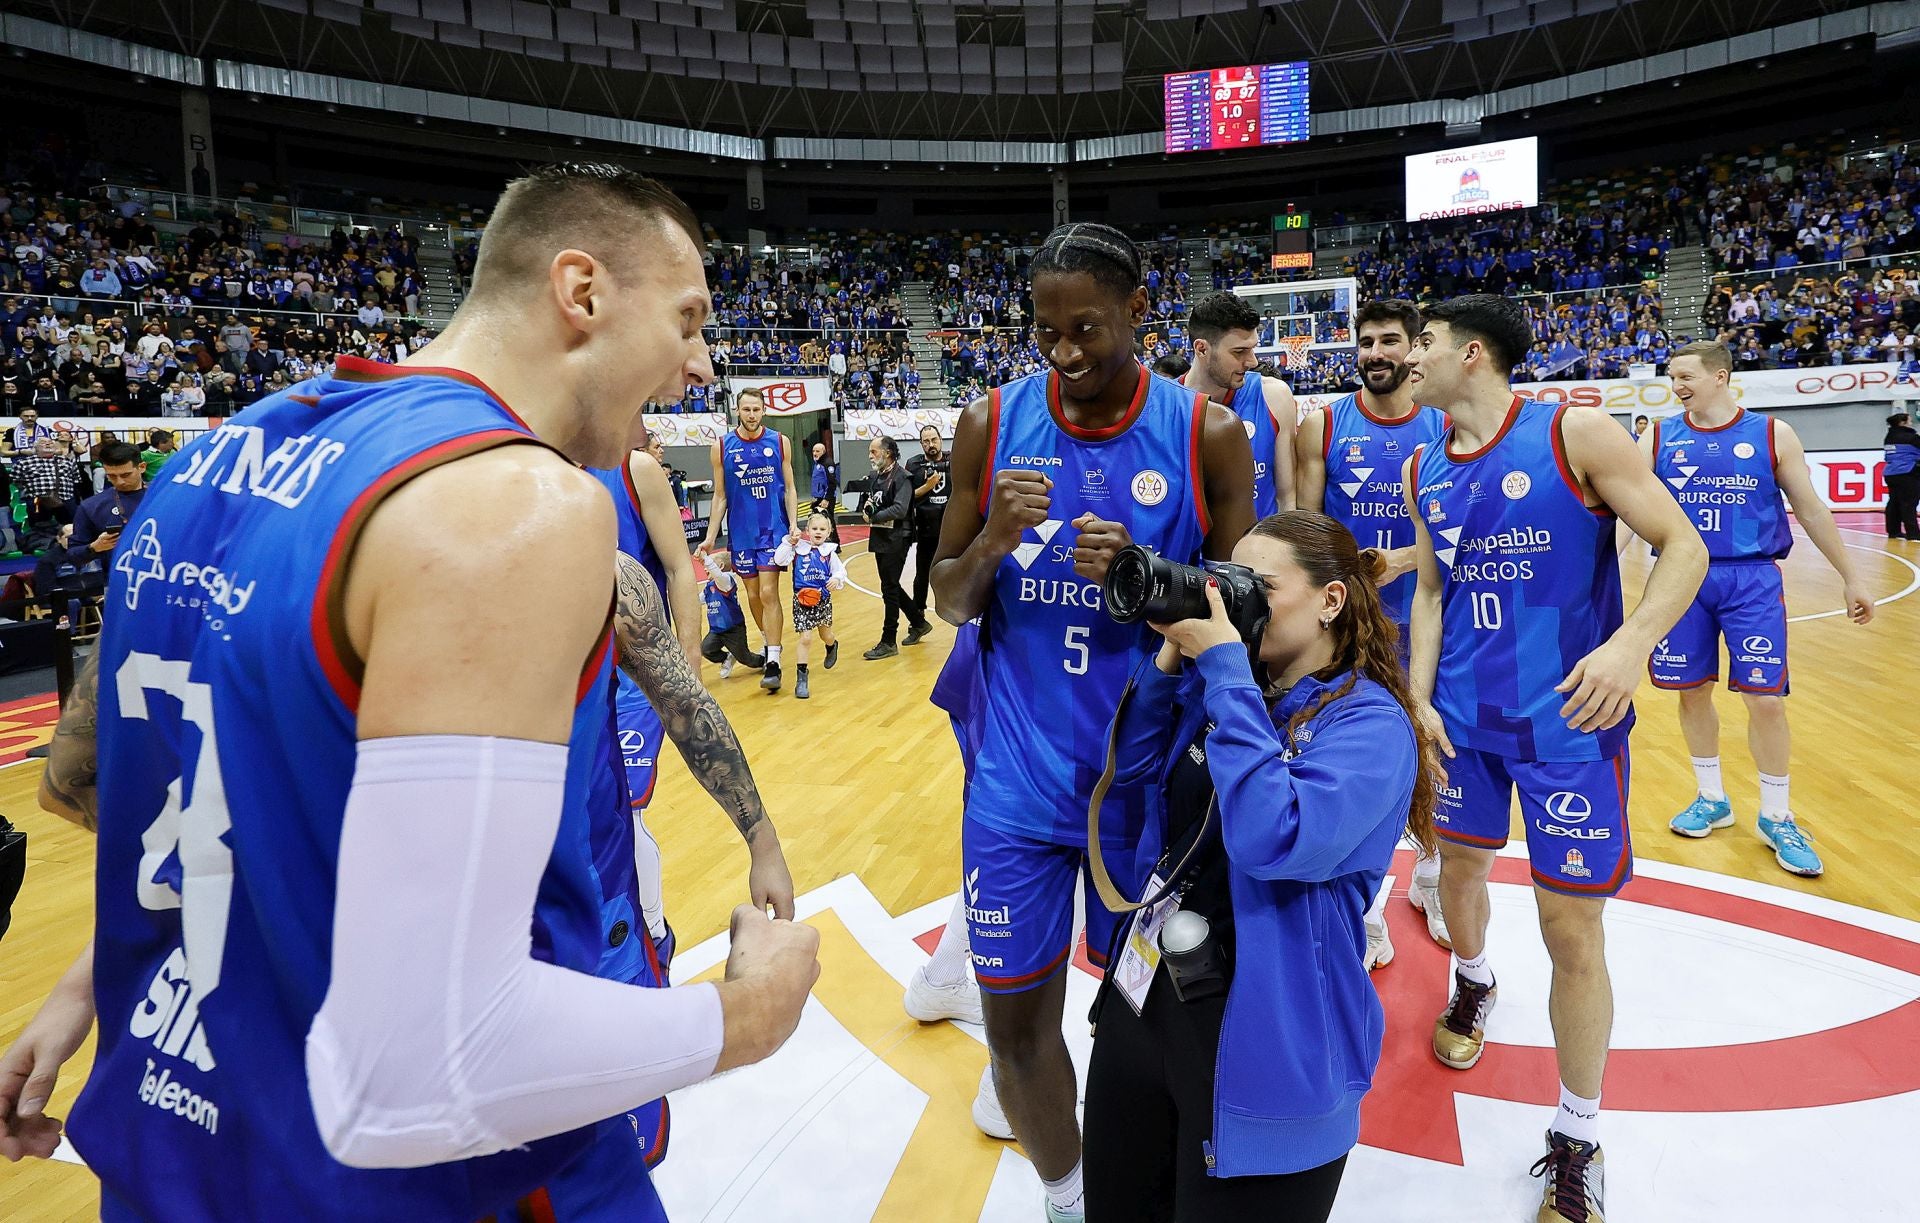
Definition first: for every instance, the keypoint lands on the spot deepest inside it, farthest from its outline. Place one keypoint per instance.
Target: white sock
(949, 963)
(1066, 1192)
(1426, 869)
(1578, 1117)
(1773, 797)
(1706, 775)
(1474, 970)
(773, 653)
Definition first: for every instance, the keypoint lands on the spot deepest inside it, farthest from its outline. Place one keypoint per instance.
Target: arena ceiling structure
(1020, 80)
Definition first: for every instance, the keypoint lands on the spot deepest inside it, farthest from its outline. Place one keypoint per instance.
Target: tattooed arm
(650, 655)
(67, 785)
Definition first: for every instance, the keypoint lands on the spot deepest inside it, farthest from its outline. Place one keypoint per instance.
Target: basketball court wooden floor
(1767, 1051)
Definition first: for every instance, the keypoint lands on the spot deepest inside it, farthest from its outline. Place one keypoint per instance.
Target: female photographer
(1230, 1058)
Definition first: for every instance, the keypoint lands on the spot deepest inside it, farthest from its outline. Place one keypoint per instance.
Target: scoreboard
(1236, 108)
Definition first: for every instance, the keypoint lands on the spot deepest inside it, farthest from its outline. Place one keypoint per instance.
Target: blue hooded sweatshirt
(1309, 833)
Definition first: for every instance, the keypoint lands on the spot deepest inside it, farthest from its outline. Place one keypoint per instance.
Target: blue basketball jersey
(227, 744)
(756, 476)
(1263, 433)
(1724, 480)
(1054, 661)
(634, 540)
(723, 606)
(1364, 456)
(811, 569)
(1529, 586)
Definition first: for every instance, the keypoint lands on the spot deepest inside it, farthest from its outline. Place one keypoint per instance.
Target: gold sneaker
(1460, 1034)
(1575, 1172)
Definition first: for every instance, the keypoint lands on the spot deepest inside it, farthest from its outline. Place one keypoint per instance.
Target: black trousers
(1903, 496)
(716, 646)
(926, 538)
(1149, 1108)
(892, 563)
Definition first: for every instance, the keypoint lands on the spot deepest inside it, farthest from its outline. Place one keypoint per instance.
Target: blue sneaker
(1702, 816)
(1790, 848)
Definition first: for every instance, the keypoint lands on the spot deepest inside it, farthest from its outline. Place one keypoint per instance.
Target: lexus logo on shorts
(1757, 644)
(1568, 807)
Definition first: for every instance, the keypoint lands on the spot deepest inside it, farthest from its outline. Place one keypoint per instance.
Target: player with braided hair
(1052, 475)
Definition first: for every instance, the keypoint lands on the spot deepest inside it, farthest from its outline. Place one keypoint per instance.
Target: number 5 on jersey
(1077, 655)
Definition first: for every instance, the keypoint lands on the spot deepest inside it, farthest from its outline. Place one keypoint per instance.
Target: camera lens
(1129, 584)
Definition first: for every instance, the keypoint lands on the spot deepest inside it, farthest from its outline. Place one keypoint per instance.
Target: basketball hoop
(1295, 347)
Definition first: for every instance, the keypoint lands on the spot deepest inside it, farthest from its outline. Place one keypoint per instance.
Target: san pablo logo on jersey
(1353, 486)
(1027, 550)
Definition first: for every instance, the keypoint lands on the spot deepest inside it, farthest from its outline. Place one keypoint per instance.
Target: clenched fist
(1020, 499)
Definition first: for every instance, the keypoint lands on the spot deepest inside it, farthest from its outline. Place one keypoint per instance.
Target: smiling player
(1052, 475)
(1728, 467)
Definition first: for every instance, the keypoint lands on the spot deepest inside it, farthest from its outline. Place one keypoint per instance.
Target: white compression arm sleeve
(441, 1037)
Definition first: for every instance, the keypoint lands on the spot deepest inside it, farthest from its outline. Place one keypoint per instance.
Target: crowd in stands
(1862, 316)
(192, 364)
(844, 286)
(1796, 208)
(104, 313)
(88, 254)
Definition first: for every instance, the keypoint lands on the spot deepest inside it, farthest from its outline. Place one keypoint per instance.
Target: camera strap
(1110, 894)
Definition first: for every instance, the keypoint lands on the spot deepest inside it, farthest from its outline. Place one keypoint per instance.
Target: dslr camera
(1141, 585)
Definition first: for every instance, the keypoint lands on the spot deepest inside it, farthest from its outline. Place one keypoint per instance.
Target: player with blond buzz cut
(1728, 468)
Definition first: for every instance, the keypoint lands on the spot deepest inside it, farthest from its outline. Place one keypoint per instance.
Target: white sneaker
(1379, 946)
(726, 666)
(987, 1113)
(1424, 895)
(930, 1003)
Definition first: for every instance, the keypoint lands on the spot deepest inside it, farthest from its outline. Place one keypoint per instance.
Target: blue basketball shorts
(608, 1183)
(642, 738)
(1019, 898)
(748, 562)
(1745, 603)
(1575, 813)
